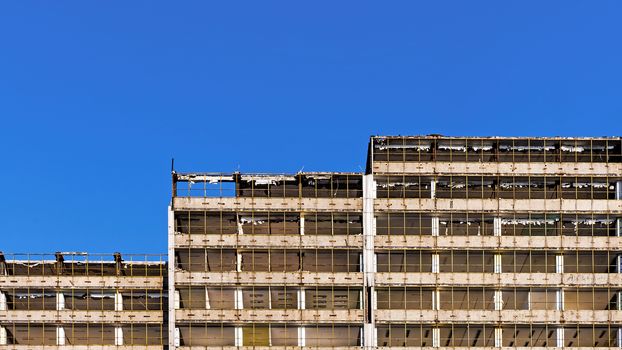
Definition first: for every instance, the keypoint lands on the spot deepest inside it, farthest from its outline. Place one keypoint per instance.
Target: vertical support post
(60, 335)
(4, 337)
(435, 226)
(368, 260)
(619, 301)
(3, 303)
(176, 300)
(436, 337)
(118, 301)
(619, 190)
(433, 188)
(559, 300)
(239, 336)
(496, 226)
(619, 337)
(238, 261)
(239, 223)
(436, 300)
(60, 301)
(498, 263)
(207, 303)
(559, 338)
(302, 336)
(559, 263)
(173, 295)
(498, 337)
(498, 300)
(238, 299)
(302, 224)
(435, 263)
(302, 302)
(619, 227)
(118, 336)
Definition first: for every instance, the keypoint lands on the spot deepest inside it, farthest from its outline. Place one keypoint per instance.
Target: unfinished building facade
(82, 301)
(443, 242)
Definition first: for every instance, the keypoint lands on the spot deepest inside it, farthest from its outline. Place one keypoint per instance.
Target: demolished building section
(82, 301)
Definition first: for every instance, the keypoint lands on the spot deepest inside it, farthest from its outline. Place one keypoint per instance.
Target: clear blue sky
(97, 96)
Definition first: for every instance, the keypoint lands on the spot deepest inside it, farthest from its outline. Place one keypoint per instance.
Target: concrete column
(559, 263)
(118, 301)
(239, 336)
(60, 301)
(435, 263)
(498, 264)
(4, 337)
(496, 226)
(498, 300)
(436, 300)
(207, 304)
(619, 301)
(559, 338)
(559, 300)
(176, 337)
(433, 188)
(239, 223)
(238, 261)
(435, 226)
(238, 299)
(619, 264)
(619, 227)
(368, 259)
(3, 303)
(302, 336)
(302, 302)
(619, 337)
(619, 190)
(436, 337)
(302, 224)
(176, 300)
(173, 295)
(118, 336)
(498, 337)
(60, 335)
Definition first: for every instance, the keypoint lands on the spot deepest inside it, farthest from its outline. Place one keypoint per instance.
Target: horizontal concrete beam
(81, 316)
(510, 169)
(270, 278)
(498, 279)
(506, 316)
(573, 206)
(275, 348)
(274, 204)
(496, 242)
(501, 348)
(268, 241)
(68, 282)
(80, 347)
(273, 315)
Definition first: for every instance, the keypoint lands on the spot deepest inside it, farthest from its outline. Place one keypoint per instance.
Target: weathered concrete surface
(271, 315)
(280, 204)
(269, 278)
(81, 316)
(493, 168)
(81, 347)
(272, 241)
(507, 317)
(107, 282)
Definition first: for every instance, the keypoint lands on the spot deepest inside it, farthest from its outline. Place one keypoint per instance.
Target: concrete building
(443, 242)
(79, 301)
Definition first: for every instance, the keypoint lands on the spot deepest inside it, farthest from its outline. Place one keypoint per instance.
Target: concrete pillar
(498, 264)
(302, 336)
(619, 227)
(619, 301)
(368, 259)
(238, 261)
(559, 300)
(302, 224)
(3, 303)
(619, 337)
(239, 223)
(60, 301)
(176, 300)
(238, 299)
(619, 264)
(433, 188)
(559, 338)
(207, 304)
(118, 336)
(176, 337)
(435, 263)
(496, 226)
(4, 337)
(436, 337)
(369, 335)
(118, 301)
(60, 335)
(559, 263)
(498, 337)
(498, 300)
(435, 226)
(436, 300)
(302, 302)
(619, 190)
(239, 336)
